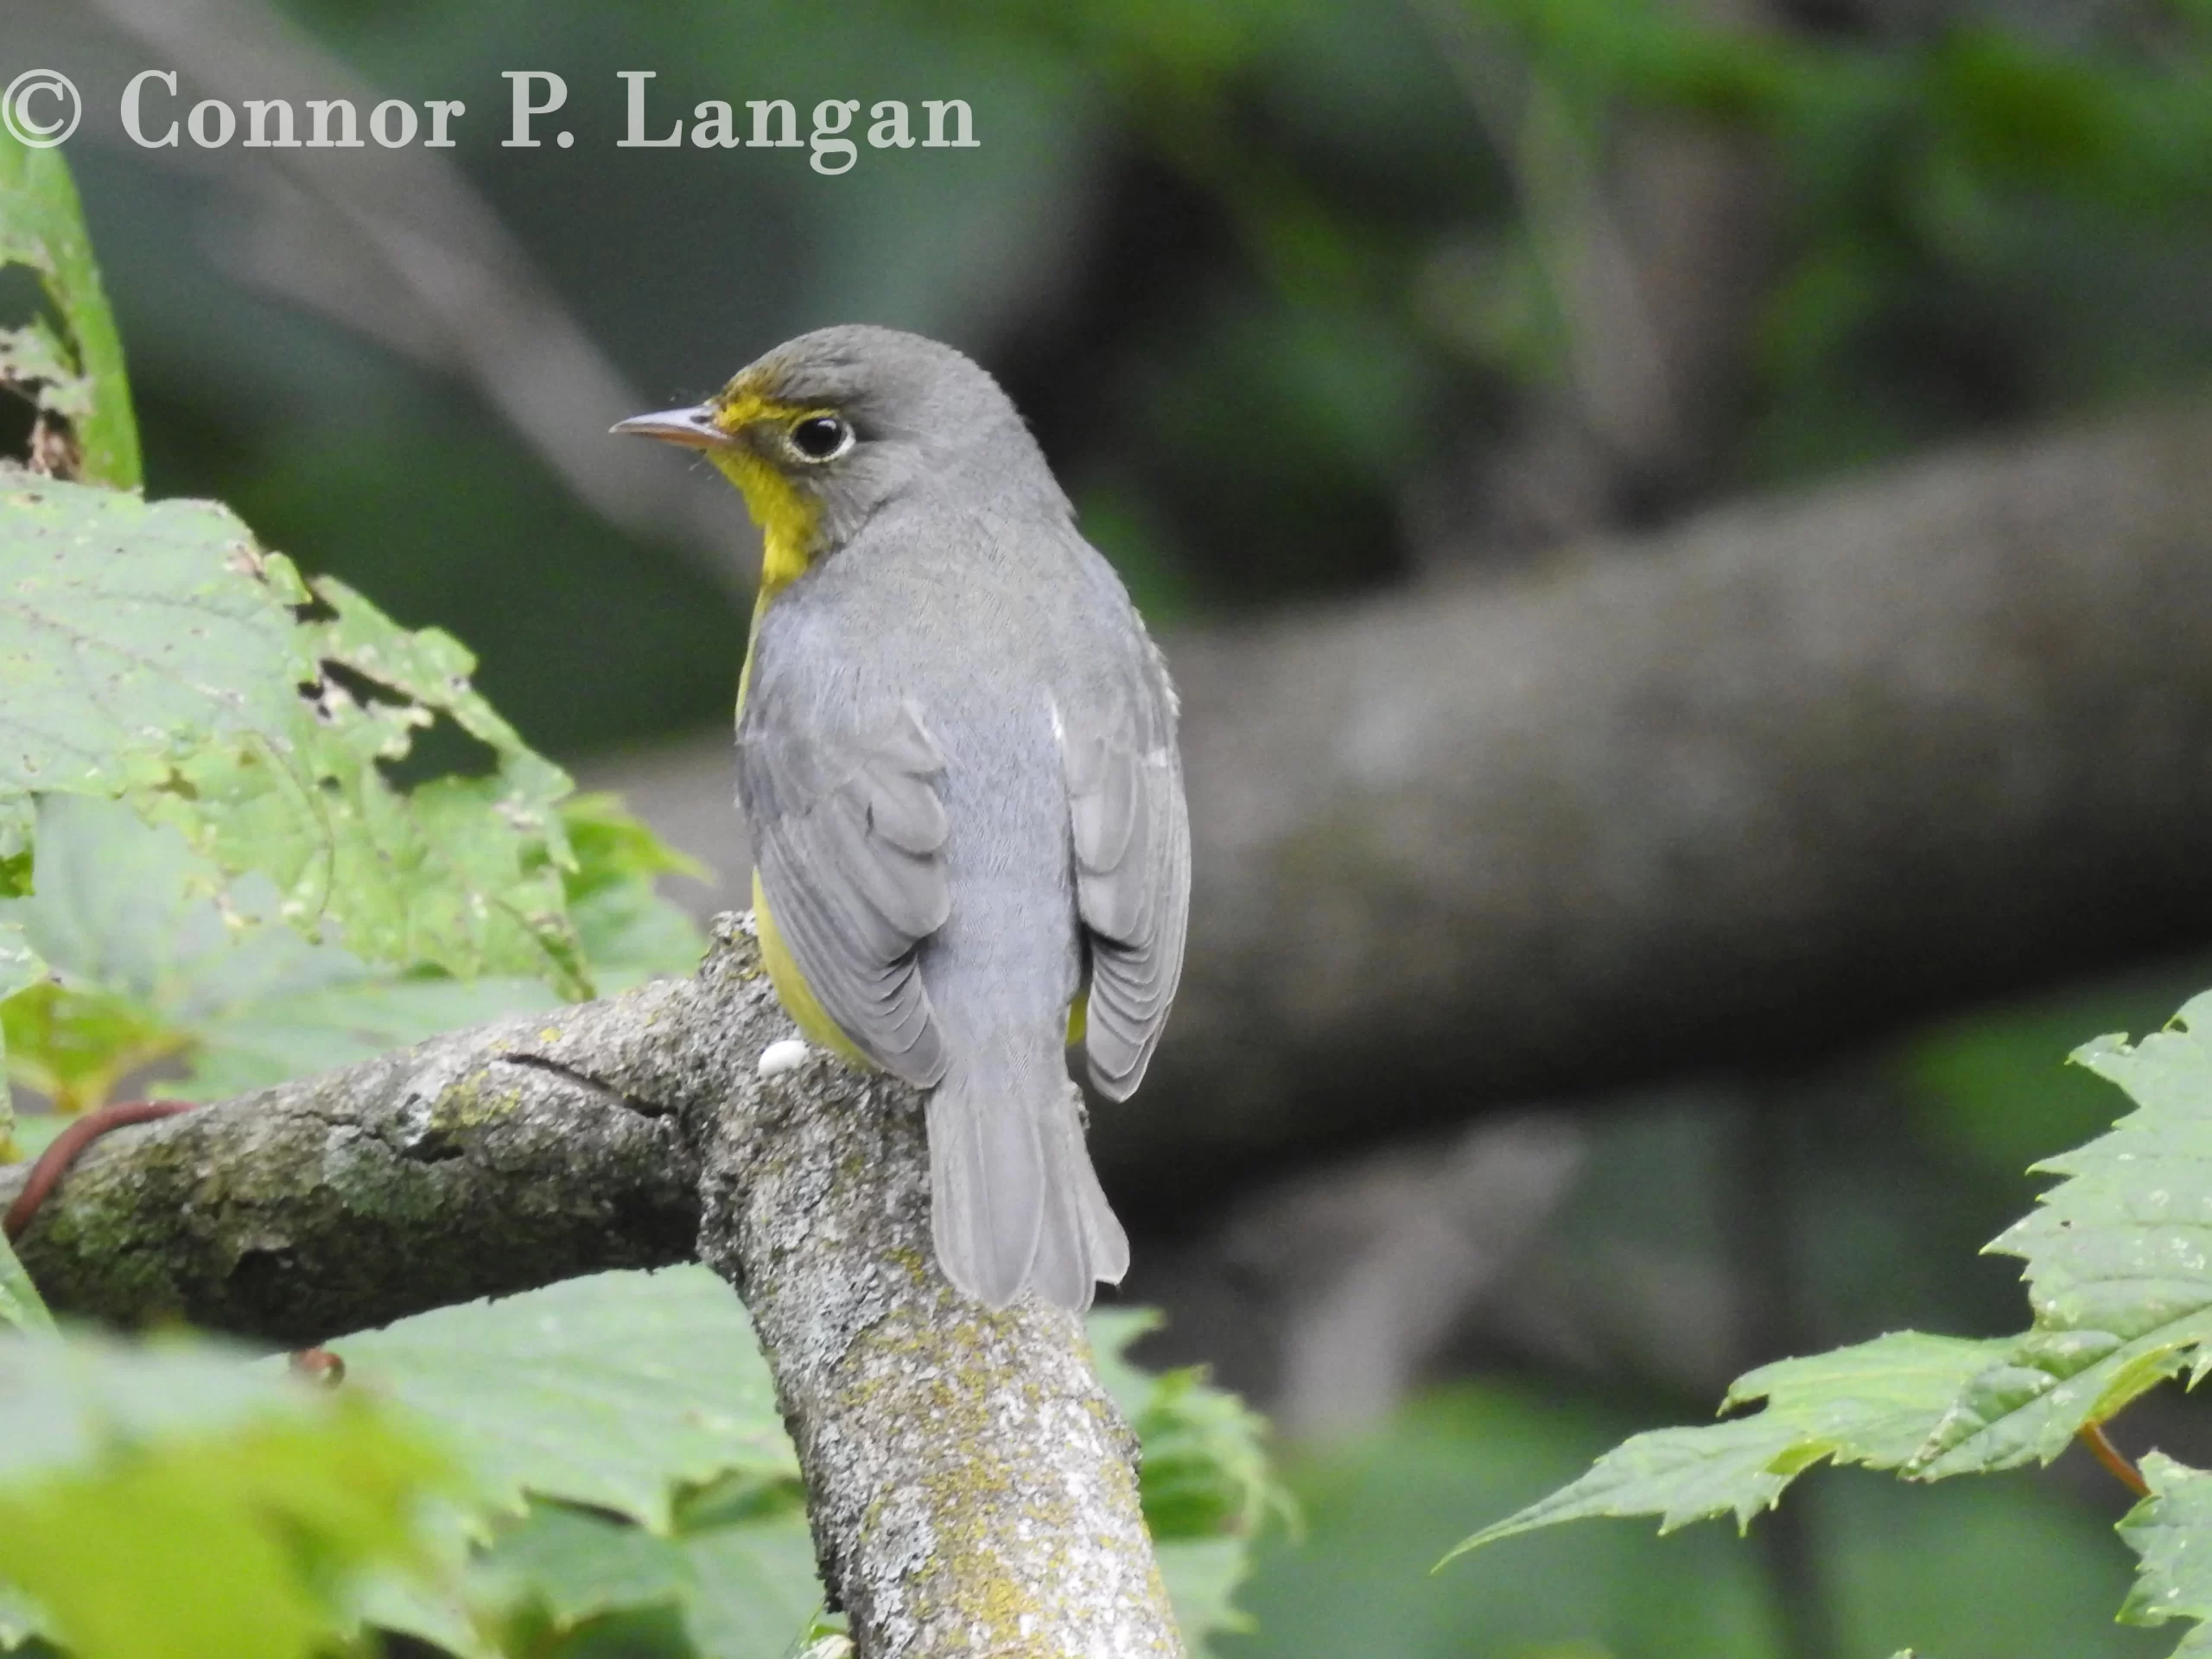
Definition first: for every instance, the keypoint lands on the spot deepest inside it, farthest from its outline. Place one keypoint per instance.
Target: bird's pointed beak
(694, 428)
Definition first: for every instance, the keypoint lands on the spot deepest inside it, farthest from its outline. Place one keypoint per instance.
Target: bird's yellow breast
(791, 989)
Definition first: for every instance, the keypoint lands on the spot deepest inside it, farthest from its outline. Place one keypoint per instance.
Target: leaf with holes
(74, 377)
(152, 955)
(156, 653)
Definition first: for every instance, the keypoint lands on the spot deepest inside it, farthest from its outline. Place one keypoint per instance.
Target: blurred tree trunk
(1778, 779)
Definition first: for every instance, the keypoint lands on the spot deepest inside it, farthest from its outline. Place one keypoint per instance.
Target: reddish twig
(316, 1366)
(54, 1161)
(2114, 1460)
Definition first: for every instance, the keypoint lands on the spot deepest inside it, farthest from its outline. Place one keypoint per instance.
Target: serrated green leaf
(439, 1606)
(642, 1395)
(1204, 1480)
(613, 1391)
(156, 653)
(276, 1038)
(1206, 1469)
(237, 1507)
(42, 227)
(2171, 1532)
(148, 963)
(629, 933)
(745, 1591)
(2120, 1264)
(1874, 1403)
(613, 846)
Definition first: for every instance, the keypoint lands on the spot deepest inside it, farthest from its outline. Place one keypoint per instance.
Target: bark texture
(461, 1168)
(972, 1489)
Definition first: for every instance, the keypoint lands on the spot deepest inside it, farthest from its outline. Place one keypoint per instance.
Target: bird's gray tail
(1014, 1202)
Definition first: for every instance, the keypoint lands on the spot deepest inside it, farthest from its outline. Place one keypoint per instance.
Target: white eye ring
(819, 438)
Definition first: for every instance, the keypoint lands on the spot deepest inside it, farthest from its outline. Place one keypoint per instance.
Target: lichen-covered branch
(971, 1487)
(447, 1171)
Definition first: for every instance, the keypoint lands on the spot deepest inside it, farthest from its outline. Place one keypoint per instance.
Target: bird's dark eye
(820, 438)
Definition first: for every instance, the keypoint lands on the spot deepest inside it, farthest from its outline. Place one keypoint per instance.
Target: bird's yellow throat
(789, 519)
(789, 523)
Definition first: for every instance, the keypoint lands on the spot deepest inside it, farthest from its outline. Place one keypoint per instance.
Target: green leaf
(1874, 1404)
(172, 1500)
(2120, 1264)
(1205, 1464)
(80, 378)
(2170, 1532)
(615, 1391)
(629, 933)
(1203, 1576)
(21, 1306)
(741, 1590)
(756, 1588)
(1207, 1490)
(579, 1566)
(643, 1396)
(20, 1621)
(614, 847)
(153, 954)
(20, 966)
(156, 653)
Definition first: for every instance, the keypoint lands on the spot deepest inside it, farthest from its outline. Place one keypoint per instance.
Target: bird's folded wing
(848, 834)
(1133, 869)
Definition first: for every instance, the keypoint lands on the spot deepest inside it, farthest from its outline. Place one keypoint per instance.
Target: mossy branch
(971, 1487)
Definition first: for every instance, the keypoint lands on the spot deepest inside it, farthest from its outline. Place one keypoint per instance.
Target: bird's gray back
(983, 624)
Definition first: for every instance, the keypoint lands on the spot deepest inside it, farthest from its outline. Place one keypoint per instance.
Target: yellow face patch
(788, 516)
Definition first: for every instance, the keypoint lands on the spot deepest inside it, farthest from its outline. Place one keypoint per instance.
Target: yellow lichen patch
(983, 1577)
(468, 1104)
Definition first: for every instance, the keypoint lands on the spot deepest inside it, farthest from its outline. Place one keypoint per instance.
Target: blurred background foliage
(1283, 287)
(1305, 296)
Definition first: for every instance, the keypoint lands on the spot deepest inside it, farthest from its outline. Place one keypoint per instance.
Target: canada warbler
(956, 757)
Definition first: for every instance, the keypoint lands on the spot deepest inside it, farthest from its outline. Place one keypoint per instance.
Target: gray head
(825, 429)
